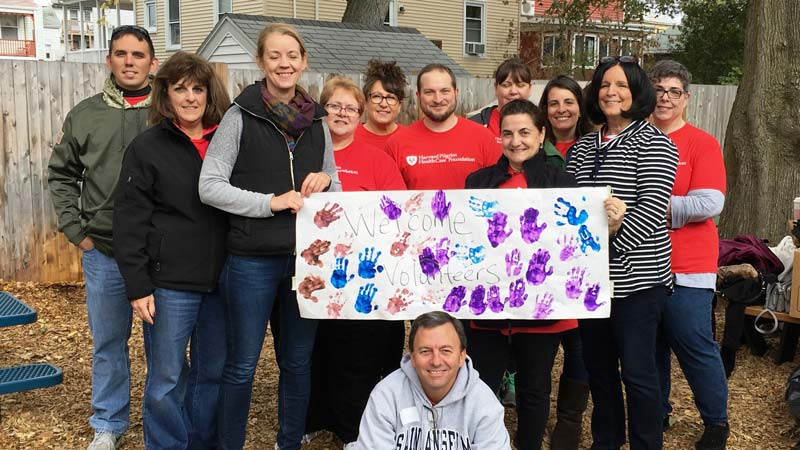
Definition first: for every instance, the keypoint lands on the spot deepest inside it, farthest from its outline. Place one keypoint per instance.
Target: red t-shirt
(695, 246)
(563, 147)
(375, 140)
(362, 167)
(200, 144)
(431, 160)
(133, 101)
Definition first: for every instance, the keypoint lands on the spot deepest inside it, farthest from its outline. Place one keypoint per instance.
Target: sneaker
(104, 440)
(508, 392)
(308, 437)
(349, 446)
(715, 437)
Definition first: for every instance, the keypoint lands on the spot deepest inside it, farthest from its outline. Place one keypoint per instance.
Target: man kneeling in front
(435, 399)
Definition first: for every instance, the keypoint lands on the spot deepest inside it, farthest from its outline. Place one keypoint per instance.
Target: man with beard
(441, 149)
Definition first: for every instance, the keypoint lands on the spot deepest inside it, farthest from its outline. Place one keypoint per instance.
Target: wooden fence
(35, 96)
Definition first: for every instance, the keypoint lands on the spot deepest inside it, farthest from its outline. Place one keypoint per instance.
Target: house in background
(551, 47)
(18, 21)
(476, 34)
(86, 27)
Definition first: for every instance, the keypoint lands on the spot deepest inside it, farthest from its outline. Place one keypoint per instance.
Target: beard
(438, 117)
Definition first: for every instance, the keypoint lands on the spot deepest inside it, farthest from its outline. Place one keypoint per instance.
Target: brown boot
(573, 397)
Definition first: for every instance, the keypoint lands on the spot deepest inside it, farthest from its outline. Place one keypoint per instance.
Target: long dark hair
(583, 126)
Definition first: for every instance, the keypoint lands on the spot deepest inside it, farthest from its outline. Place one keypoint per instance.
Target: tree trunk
(762, 144)
(368, 12)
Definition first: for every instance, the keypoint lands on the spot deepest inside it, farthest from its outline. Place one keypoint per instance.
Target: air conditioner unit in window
(473, 48)
(527, 8)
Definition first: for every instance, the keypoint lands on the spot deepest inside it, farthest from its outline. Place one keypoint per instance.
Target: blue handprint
(587, 240)
(477, 300)
(440, 206)
(481, 207)
(367, 265)
(469, 255)
(537, 267)
(497, 232)
(477, 254)
(339, 276)
(455, 300)
(366, 294)
(565, 209)
(529, 229)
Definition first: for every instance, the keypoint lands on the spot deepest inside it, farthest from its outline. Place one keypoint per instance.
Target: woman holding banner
(271, 150)
(638, 163)
(343, 378)
(531, 344)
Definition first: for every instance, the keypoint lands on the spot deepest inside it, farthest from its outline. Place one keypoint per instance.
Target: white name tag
(409, 416)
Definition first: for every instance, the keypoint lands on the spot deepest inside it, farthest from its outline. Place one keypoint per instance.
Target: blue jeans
(251, 285)
(110, 317)
(686, 330)
(626, 340)
(179, 410)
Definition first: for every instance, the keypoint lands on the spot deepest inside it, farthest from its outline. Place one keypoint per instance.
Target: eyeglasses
(335, 108)
(673, 93)
(391, 100)
(622, 59)
(130, 29)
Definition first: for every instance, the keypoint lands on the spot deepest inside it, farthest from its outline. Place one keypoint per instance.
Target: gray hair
(435, 319)
(668, 68)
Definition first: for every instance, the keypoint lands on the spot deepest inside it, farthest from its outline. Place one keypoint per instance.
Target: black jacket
(163, 235)
(540, 175)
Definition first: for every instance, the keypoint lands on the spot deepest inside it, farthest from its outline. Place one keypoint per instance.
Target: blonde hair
(283, 29)
(340, 82)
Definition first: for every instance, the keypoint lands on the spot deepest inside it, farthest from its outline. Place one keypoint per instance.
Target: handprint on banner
(314, 251)
(310, 284)
(481, 207)
(326, 216)
(339, 278)
(542, 305)
(390, 208)
(400, 245)
(529, 229)
(574, 285)
(493, 299)
(513, 263)
(428, 262)
(440, 206)
(455, 300)
(565, 209)
(568, 247)
(497, 232)
(366, 294)
(469, 255)
(477, 300)
(335, 304)
(344, 247)
(399, 301)
(413, 203)
(537, 267)
(516, 294)
(587, 240)
(368, 263)
(443, 251)
(590, 299)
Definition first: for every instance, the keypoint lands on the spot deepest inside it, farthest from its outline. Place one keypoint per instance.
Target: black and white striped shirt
(639, 165)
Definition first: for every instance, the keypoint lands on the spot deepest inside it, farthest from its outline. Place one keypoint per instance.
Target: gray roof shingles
(346, 47)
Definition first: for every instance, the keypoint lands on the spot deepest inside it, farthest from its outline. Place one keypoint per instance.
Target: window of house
(612, 47)
(629, 47)
(223, 6)
(150, 16)
(552, 50)
(173, 24)
(474, 28)
(391, 14)
(9, 27)
(584, 50)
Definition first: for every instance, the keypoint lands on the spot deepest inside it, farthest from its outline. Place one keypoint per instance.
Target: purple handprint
(537, 267)
(516, 294)
(590, 299)
(497, 233)
(440, 206)
(542, 306)
(568, 247)
(493, 300)
(443, 251)
(455, 300)
(574, 285)
(477, 300)
(428, 262)
(565, 209)
(528, 228)
(390, 208)
(513, 263)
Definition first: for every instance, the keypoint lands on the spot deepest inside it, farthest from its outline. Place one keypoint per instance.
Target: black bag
(792, 395)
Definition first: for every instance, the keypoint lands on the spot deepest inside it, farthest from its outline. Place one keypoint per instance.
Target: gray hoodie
(399, 415)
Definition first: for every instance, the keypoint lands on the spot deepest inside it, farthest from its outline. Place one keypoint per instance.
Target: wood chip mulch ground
(57, 417)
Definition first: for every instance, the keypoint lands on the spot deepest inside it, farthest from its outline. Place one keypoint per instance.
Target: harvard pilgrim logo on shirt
(411, 160)
(436, 439)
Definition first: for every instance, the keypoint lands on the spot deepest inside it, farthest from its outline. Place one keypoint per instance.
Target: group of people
(201, 195)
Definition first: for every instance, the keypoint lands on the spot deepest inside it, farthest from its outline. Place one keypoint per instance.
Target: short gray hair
(435, 319)
(668, 68)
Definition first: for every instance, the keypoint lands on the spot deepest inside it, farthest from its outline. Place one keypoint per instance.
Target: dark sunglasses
(622, 59)
(125, 29)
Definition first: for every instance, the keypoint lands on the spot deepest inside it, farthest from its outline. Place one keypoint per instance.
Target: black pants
(627, 340)
(533, 354)
(350, 358)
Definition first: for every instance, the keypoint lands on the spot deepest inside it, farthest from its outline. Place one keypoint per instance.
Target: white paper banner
(483, 254)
